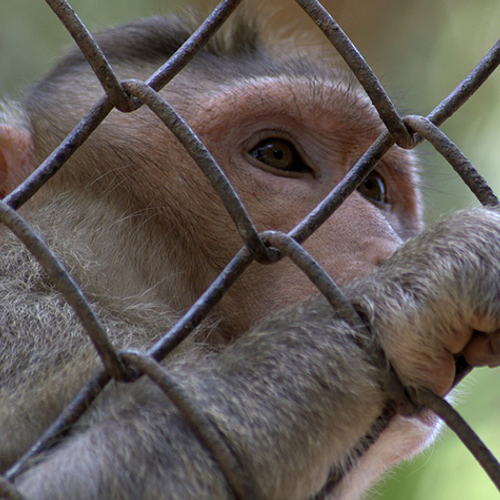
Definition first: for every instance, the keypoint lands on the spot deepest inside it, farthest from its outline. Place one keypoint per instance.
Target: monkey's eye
(279, 155)
(373, 188)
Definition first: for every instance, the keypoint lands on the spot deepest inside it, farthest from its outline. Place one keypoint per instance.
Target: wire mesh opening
(128, 96)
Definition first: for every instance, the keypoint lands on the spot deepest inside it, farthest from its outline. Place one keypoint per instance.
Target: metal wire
(94, 55)
(200, 423)
(267, 246)
(60, 156)
(462, 166)
(457, 424)
(203, 159)
(68, 287)
(361, 69)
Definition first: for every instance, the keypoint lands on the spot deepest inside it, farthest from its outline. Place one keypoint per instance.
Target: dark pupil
(369, 184)
(278, 154)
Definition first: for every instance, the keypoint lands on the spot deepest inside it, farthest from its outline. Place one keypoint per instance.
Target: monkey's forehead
(321, 103)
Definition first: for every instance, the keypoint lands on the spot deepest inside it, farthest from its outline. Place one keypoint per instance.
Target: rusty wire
(460, 163)
(321, 279)
(68, 288)
(200, 309)
(9, 491)
(200, 423)
(268, 246)
(60, 156)
(361, 69)
(62, 425)
(94, 55)
(203, 159)
(456, 423)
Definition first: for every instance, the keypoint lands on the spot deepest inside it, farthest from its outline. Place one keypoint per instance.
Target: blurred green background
(420, 49)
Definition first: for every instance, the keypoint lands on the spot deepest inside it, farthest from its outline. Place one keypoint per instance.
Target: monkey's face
(284, 142)
(284, 145)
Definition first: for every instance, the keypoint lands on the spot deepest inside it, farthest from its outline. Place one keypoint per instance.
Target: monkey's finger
(484, 323)
(484, 350)
(478, 325)
(436, 373)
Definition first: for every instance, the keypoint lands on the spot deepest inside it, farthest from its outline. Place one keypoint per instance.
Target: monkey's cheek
(484, 350)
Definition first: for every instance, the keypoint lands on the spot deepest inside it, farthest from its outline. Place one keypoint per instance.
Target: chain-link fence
(404, 131)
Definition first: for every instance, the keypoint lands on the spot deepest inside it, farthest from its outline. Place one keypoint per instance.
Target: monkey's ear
(16, 157)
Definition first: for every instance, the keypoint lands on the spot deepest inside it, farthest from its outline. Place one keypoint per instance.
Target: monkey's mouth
(462, 369)
(427, 418)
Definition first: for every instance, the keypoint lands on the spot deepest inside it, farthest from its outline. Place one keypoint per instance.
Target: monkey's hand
(438, 298)
(298, 398)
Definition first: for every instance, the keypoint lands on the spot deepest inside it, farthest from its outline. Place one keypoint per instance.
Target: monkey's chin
(413, 434)
(428, 419)
(404, 438)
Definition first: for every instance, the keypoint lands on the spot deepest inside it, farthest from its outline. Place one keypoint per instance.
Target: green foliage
(447, 470)
(31, 37)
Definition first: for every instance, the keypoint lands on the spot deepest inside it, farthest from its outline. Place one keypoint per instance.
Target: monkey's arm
(282, 399)
(293, 398)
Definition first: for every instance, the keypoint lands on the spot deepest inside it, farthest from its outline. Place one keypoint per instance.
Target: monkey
(16, 148)
(293, 388)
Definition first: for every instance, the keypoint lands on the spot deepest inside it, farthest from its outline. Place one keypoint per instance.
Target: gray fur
(293, 397)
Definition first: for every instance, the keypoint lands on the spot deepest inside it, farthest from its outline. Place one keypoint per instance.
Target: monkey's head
(285, 130)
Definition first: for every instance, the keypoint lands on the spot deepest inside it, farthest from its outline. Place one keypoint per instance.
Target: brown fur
(143, 232)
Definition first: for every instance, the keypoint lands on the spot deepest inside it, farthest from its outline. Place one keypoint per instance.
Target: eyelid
(282, 134)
